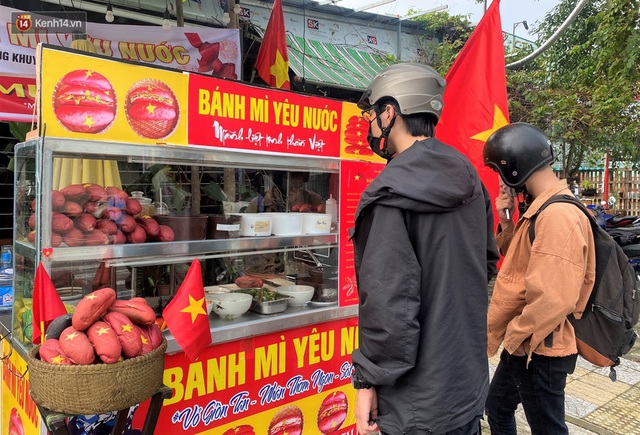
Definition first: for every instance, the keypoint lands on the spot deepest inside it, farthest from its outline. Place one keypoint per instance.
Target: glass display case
(133, 217)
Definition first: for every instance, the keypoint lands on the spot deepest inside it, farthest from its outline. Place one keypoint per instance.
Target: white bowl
(300, 294)
(230, 305)
(215, 289)
(209, 302)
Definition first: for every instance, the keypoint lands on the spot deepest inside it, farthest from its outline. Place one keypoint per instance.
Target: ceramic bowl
(215, 289)
(300, 294)
(230, 305)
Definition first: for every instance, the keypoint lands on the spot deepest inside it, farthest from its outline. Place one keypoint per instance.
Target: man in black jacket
(424, 253)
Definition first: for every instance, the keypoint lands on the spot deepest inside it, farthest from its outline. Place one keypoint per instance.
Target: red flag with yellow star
(272, 62)
(186, 314)
(47, 304)
(475, 98)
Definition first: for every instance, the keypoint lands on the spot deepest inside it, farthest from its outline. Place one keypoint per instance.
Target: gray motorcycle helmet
(516, 151)
(416, 87)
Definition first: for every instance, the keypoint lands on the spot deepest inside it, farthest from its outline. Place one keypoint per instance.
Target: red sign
(233, 115)
(355, 176)
(17, 98)
(299, 377)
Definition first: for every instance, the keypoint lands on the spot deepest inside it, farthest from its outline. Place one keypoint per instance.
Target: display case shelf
(191, 248)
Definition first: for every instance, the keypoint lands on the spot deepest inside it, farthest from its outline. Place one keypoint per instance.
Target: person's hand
(366, 411)
(504, 201)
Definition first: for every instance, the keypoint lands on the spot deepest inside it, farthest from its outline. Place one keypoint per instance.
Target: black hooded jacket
(424, 251)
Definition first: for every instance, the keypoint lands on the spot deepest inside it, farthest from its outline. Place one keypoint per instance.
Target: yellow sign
(354, 145)
(19, 413)
(89, 97)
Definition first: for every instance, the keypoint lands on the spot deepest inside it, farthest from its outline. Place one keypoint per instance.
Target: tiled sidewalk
(595, 404)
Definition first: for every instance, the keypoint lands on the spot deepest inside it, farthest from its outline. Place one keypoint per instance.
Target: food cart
(209, 141)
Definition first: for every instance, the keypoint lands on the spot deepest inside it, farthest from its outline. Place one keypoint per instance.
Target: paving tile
(621, 416)
(578, 407)
(595, 388)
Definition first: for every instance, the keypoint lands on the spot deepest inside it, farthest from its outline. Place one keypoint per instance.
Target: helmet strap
(379, 144)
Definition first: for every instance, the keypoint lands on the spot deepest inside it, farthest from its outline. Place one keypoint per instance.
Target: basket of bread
(106, 356)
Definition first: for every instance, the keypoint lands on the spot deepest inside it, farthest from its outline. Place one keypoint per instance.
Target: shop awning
(331, 64)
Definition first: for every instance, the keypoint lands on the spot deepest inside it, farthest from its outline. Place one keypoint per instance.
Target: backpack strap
(559, 198)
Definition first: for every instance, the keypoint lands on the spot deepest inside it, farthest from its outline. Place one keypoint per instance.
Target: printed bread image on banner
(354, 130)
(89, 97)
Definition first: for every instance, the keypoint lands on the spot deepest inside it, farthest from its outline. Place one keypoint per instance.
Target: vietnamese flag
(475, 98)
(186, 314)
(272, 62)
(47, 304)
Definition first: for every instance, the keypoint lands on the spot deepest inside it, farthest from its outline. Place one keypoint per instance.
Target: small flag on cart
(47, 304)
(186, 314)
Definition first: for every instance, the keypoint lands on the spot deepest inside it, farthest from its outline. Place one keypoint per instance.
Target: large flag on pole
(272, 62)
(475, 98)
(47, 304)
(186, 314)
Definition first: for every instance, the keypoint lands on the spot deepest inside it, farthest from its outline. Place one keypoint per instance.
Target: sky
(511, 11)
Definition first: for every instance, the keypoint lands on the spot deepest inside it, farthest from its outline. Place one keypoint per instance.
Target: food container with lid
(286, 224)
(316, 223)
(254, 224)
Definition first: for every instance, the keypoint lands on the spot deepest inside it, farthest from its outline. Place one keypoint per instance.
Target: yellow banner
(354, 144)
(89, 97)
(19, 413)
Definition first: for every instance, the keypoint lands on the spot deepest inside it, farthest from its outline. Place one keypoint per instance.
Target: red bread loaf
(76, 346)
(135, 309)
(154, 334)
(128, 334)
(91, 307)
(96, 237)
(51, 352)
(149, 224)
(138, 235)
(85, 222)
(57, 200)
(245, 281)
(107, 226)
(133, 206)
(127, 223)
(332, 412)
(95, 192)
(73, 237)
(244, 429)
(60, 222)
(71, 208)
(73, 192)
(105, 342)
(287, 421)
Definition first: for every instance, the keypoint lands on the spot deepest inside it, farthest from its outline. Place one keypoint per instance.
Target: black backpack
(605, 331)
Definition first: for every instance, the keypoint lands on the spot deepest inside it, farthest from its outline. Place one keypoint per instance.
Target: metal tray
(268, 307)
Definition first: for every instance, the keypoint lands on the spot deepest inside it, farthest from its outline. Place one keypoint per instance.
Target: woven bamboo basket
(96, 388)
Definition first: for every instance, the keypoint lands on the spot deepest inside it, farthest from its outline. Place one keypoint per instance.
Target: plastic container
(254, 224)
(332, 209)
(286, 224)
(147, 208)
(316, 223)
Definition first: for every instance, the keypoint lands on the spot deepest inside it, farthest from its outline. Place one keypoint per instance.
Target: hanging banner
(271, 384)
(214, 52)
(355, 176)
(87, 97)
(17, 98)
(234, 115)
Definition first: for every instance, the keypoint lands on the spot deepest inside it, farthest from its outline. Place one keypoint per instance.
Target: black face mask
(379, 144)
